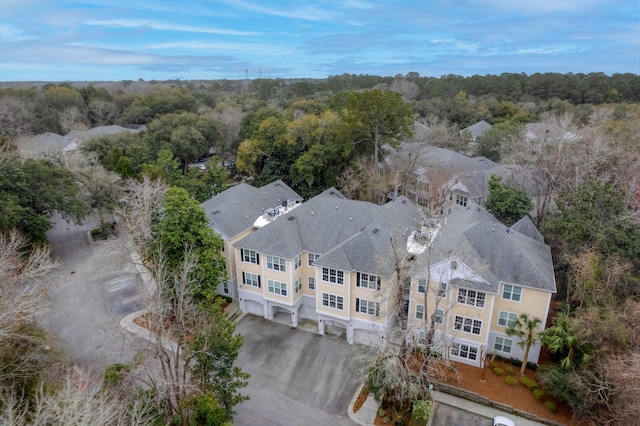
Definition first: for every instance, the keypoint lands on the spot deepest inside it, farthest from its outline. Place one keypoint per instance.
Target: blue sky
(54, 40)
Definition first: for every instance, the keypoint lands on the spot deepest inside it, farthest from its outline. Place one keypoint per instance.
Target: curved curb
(352, 415)
(133, 328)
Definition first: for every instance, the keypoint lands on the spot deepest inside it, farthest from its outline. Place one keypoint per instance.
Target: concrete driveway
(297, 377)
(93, 293)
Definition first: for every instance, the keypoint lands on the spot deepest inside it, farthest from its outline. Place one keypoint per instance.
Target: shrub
(538, 393)
(492, 364)
(550, 406)
(532, 366)
(510, 380)
(531, 384)
(516, 362)
(509, 369)
(114, 372)
(499, 371)
(422, 411)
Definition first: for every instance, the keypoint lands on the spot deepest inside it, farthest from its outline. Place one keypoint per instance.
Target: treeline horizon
(577, 88)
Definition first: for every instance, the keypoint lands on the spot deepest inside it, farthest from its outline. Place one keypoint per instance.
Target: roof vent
(336, 207)
(350, 219)
(291, 217)
(375, 231)
(215, 212)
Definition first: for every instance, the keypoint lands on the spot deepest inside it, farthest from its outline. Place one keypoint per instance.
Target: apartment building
(474, 280)
(330, 260)
(240, 210)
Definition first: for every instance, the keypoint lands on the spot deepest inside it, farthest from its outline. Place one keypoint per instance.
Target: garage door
(254, 308)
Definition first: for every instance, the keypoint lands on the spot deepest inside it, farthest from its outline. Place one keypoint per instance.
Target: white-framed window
(250, 256)
(422, 285)
(276, 263)
(463, 350)
(333, 301)
(502, 344)
(453, 264)
(297, 261)
(471, 297)
(507, 319)
(368, 281)
(439, 316)
(225, 287)
(298, 285)
(251, 279)
(312, 283)
(419, 312)
(276, 287)
(422, 338)
(512, 292)
(442, 289)
(332, 276)
(311, 257)
(461, 200)
(367, 307)
(468, 325)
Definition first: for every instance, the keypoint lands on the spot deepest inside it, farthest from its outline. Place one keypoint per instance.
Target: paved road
(297, 377)
(91, 297)
(448, 415)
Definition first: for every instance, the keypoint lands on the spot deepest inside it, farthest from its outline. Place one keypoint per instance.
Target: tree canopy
(182, 224)
(32, 190)
(507, 203)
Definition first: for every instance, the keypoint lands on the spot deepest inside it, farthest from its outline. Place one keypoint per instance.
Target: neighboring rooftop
(477, 129)
(236, 209)
(496, 252)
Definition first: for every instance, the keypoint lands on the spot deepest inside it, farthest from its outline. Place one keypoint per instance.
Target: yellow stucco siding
(371, 296)
(532, 301)
(232, 255)
(334, 289)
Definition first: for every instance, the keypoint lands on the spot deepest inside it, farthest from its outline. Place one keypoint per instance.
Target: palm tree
(526, 329)
(563, 338)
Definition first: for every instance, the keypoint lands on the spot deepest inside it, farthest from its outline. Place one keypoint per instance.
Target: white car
(502, 421)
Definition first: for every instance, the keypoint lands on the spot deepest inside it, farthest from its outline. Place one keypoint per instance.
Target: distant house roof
(136, 127)
(235, 209)
(472, 173)
(48, 143)
(350, 235)
(476, 129)
(495, 252)
(99, 131)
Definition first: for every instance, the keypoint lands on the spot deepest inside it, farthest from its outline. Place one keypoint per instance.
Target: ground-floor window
(276, 287)
(463, 350)
(333, 301)
(502, 344)
(367, 307)
(225, 287)
(251, 279)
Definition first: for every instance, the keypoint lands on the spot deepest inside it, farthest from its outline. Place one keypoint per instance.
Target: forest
(318, 133)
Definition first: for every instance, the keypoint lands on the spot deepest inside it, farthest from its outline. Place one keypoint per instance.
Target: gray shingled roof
(236, 209)
(477, 129)
(495, 252)
(472, 173)
(351, 235)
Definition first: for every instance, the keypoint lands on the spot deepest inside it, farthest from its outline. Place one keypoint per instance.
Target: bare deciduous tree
(102, 112)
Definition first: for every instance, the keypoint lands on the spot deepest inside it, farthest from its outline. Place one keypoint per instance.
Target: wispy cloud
(291, 11)
(162, 26)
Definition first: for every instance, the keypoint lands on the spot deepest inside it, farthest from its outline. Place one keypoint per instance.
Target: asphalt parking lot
(90, 297)
(297, 377)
